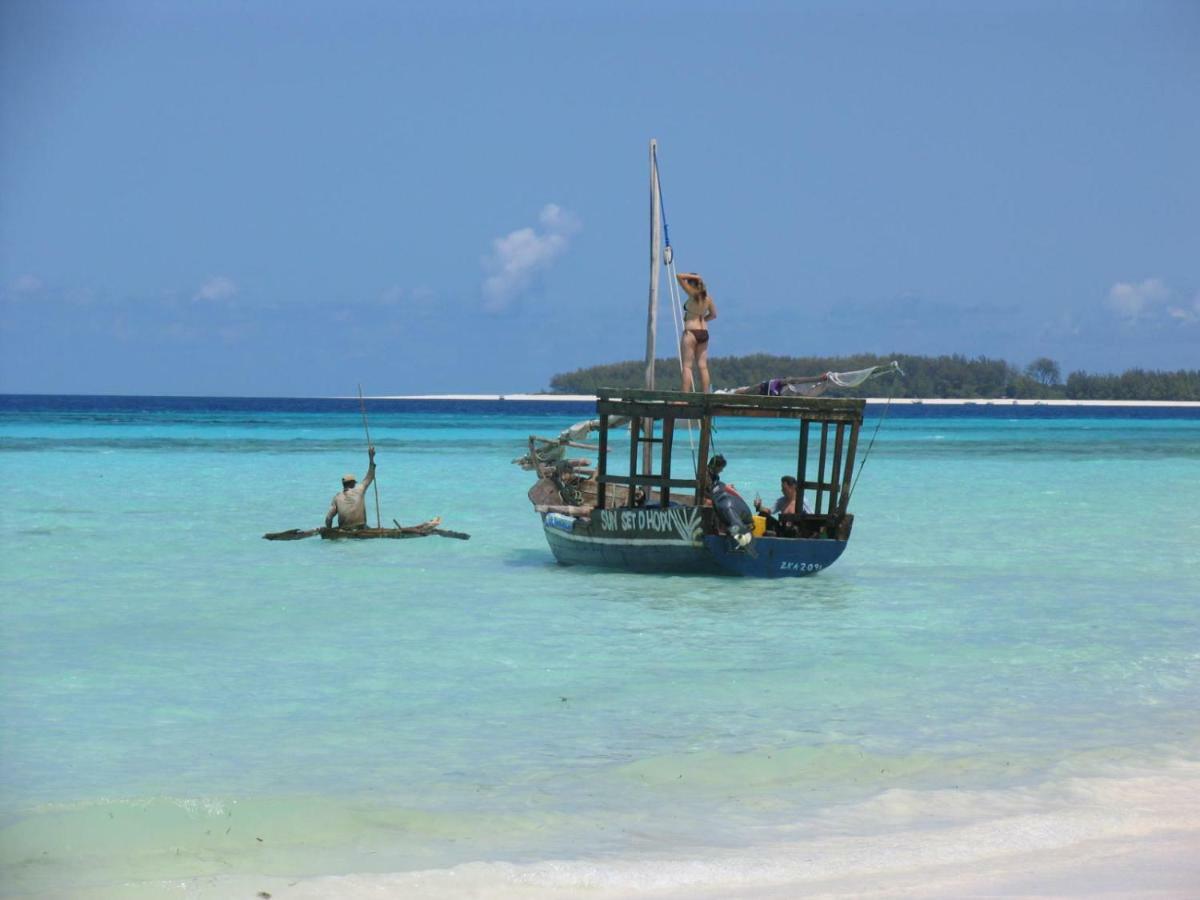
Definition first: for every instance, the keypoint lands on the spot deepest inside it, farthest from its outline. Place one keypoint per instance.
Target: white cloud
(558, 220)
(1134, 301)
(393, 296)
(517, 257)
(217, 287)
(1186, 314)
(27, 284)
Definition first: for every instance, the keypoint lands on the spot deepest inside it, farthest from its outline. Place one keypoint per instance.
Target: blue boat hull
(576, 542)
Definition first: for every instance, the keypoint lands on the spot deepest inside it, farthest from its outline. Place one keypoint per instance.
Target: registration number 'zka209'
(800, 567)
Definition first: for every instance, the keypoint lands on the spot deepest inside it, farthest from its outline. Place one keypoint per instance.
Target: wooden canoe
(400, 532)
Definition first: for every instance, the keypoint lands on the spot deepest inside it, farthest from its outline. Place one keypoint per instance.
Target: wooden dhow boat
(645, 517)
(642, 514)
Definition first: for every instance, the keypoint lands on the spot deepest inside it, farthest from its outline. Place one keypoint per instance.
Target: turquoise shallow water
(182, 698)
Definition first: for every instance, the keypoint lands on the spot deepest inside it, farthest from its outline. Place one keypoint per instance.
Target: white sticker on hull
(800, 567)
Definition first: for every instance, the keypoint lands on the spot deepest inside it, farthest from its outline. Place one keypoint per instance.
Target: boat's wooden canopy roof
(680, 405)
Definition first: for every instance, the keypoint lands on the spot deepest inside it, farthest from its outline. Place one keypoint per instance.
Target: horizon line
(591, 398)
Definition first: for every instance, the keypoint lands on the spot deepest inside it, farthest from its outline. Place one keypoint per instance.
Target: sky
(295, 198)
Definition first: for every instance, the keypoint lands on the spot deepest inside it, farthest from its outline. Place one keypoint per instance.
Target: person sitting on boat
(698, 311)
(785, 505)
(715, 467)
(349, 505)
(733, 513)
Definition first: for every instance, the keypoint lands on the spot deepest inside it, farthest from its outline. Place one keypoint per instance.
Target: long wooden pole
(652, 312)
(374, 483)
(655, 240)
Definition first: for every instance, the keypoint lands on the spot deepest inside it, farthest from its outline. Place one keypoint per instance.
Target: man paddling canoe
(349, 505)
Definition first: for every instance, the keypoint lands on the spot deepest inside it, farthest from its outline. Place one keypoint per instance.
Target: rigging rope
(874, 435)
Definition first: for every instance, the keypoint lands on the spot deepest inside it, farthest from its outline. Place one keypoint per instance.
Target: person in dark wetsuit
(698, 311)
(715, 467)
(732, 510)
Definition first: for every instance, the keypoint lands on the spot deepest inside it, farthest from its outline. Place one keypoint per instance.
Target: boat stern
(774, 557)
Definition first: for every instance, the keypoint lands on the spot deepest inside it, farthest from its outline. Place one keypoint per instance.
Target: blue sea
(1004, 663)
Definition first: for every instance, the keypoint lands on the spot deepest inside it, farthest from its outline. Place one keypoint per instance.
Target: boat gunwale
(682, 405)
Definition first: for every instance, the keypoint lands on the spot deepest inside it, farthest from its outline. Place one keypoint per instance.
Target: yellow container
(760, 525)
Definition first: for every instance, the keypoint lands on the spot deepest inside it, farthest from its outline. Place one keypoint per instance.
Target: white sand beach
(1133, 834)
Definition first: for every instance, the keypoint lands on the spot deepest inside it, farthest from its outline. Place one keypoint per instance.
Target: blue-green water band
(1017, 608)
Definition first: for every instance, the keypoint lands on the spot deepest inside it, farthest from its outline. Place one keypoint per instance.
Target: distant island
(928, 377)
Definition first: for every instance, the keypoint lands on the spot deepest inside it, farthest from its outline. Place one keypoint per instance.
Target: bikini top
(695, 308)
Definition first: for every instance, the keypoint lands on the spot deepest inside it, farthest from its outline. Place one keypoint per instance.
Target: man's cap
(349, 476)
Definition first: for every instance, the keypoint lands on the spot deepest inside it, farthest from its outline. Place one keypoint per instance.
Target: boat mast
(655, 244)
(652, 312)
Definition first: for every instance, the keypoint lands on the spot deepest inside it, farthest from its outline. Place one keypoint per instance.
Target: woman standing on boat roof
(698, 311)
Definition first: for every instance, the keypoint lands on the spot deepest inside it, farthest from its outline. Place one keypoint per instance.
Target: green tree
(931, 377)
(1044, 370)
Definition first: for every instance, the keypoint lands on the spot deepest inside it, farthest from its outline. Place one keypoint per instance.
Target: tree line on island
(931, 377)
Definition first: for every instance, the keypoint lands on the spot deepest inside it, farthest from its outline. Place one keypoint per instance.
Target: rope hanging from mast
(668, 253)
(862, 464)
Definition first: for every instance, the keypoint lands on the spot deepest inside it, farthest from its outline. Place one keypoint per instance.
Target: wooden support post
(602, 464)
(702, 460)
(668, 438)
(821, 469)
(802, 466)
(648, 448)
(835, 475)
(635, 428)
(848, 475)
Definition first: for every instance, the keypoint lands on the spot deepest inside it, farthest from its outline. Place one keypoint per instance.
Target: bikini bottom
(700, 334)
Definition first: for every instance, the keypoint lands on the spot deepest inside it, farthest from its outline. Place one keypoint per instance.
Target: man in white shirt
(349, 506)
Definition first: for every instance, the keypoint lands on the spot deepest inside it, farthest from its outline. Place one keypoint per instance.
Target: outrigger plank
(447, 533)
(362, 534)
(292, 534)
(400, 532)
(430, 527)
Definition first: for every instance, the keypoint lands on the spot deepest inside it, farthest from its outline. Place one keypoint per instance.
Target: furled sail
(815, 385)
(549, 451)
